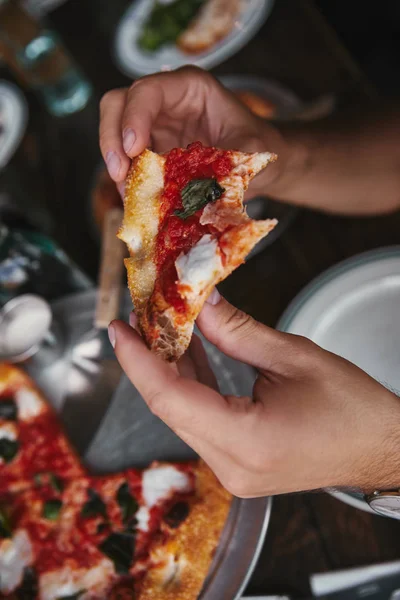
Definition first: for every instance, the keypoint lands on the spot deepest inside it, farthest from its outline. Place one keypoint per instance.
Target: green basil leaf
(8, 449)
(56, 483)
(72, 596)
(51, 509)
(197, 194)
(28, 589)
(5, 525)
(47, 477)
(127, 503)
(8, 409)
(166, 22)
(119, 547)
(94, 506)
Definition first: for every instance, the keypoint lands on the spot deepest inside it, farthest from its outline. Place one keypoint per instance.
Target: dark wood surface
(308, 533)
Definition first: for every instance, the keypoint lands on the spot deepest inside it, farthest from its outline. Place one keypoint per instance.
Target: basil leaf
(28, 589)
(72, 596)
(51, 509)
(5, 525)
(53, 480)
(176, 514)
(56, 483)
(8, 449)
(119, 547)
(126, 502)
(197, 194)
(8, 409)
(94, 506)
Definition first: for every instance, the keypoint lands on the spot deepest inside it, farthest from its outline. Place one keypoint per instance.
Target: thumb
(240, 336)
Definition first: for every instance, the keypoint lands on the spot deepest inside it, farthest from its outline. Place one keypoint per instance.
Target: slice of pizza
(186, 229)
(215, 20)
(31, 439)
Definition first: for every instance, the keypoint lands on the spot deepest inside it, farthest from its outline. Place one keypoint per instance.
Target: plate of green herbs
(146, 37)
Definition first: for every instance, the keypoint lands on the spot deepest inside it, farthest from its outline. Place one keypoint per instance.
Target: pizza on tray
(65, 534)
(186, 229)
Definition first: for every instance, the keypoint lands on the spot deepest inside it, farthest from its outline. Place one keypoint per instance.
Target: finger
(240, 336)
(181, 403)
(150, 96)
(111, 111)
(204, 372)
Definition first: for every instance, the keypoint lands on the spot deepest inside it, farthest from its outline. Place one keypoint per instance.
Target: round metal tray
(116, 444)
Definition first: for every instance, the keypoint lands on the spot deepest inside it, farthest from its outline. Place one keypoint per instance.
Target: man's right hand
(176, 108)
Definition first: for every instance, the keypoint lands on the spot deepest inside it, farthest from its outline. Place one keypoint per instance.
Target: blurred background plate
(13, 120)
(135, 62)
(353, 310)
(127, 422)
(275, 100)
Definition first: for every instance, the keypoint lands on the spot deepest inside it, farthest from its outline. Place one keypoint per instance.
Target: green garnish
(119, 547)
(5, 526)
(54, 481)
(197, 194)
(8, 409)
(126, 502)
(166, 22)
(51, 509)
(8, 449)
(94, 506)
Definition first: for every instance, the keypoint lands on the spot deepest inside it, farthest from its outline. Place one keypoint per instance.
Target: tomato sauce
(179, 235)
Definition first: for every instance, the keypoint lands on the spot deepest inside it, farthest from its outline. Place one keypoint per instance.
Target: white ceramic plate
(353, 310)
(13, 119)
(135, 62)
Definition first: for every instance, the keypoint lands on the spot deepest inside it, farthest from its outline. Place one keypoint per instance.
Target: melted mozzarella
(29, 404)
(142, 517)
(198, 267)
(15, 554)
(160, 482)
(67, 581)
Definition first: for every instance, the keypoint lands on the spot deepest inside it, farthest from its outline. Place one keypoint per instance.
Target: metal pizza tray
(118, 441)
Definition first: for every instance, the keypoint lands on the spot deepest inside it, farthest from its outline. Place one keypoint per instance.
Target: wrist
(379, 465)
(281, 180)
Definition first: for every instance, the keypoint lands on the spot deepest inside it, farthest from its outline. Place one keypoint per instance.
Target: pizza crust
(180, 565)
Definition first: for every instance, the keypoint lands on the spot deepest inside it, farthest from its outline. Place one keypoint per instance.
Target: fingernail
(214, 297)
(133, 320)
(121, 189)
(113, 164)
(112, 335)
(129, 138)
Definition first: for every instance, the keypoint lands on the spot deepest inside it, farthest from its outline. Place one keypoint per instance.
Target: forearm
(351, 166)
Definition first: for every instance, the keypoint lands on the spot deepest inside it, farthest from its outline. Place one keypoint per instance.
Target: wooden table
(312, 532)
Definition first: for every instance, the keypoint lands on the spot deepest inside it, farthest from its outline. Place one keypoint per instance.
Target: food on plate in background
(166, 23)
(194, 25)
(257, 104)
(215, 20)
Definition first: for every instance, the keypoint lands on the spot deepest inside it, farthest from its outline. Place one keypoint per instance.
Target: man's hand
(314, 420)
(174, 109)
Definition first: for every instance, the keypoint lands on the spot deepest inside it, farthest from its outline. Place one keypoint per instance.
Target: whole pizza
(66, 534)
